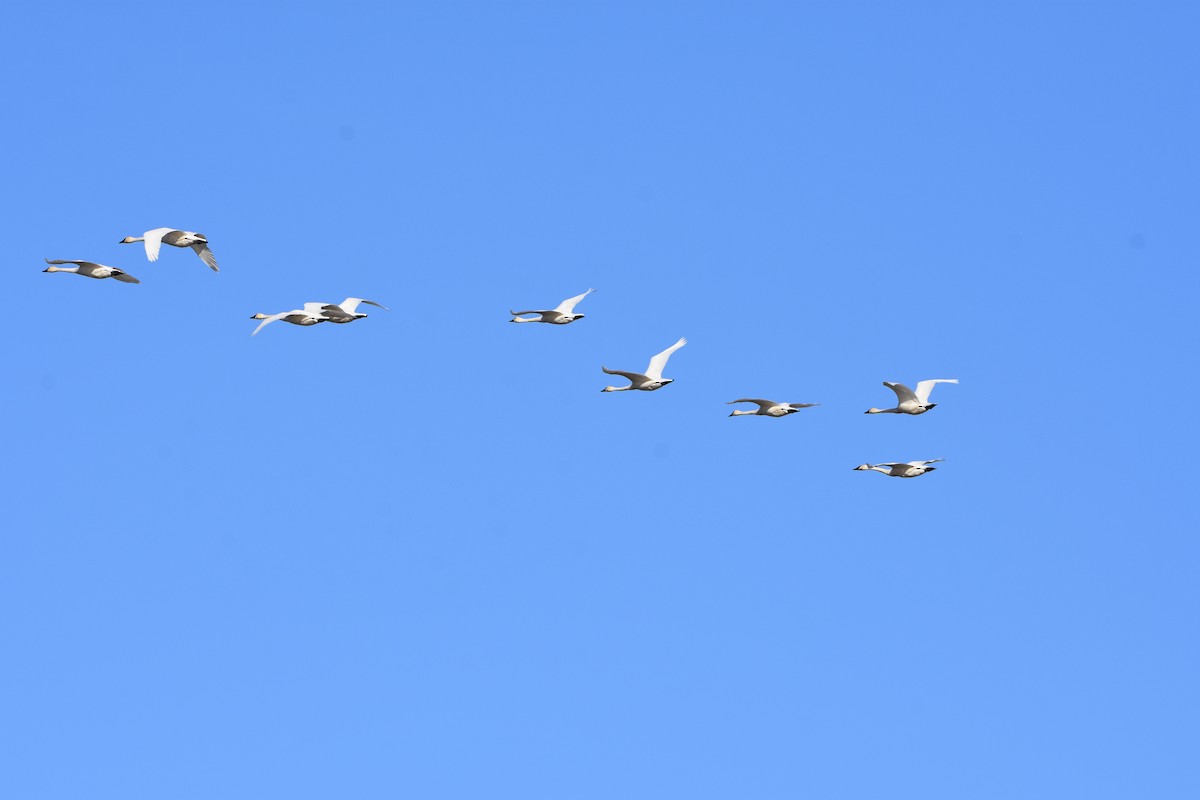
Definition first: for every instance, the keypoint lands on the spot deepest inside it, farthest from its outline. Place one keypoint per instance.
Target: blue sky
(423, 555)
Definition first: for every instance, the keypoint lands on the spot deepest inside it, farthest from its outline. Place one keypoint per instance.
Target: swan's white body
(159, 236)
(652, 379)
(347, 310)
(90, 269)
(908, 469)
(562, 315)
(768, 408)
(311, 314)
(911, 402)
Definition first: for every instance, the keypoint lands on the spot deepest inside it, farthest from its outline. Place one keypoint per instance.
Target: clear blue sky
(424, 556)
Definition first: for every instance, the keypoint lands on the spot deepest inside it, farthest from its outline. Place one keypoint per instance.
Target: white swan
(768, 408)
(311, 314)
(158, 236)
(653, 378)
(911, 402)
(909, 469)
(561, 315)
(91, 270)
(347, 310)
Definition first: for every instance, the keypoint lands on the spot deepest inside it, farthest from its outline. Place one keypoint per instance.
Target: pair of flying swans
(314, 313)
(911, 402)
(90, 269)
(908, 469)
(768, 408)
(159, 236)
(562, 315)
(652, 379)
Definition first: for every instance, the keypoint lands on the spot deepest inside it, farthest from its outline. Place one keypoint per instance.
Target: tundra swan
(347, 310)
(909, 469)
(911, 402)
(561, 315)
(311, 314)
(91, 270)
(158, 236)
(653, 378)
(768, 408)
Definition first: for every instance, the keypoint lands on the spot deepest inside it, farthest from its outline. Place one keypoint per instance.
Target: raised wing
(762, 404)
(154, 241)
(632, 377)
(351, 303)
(659, 362)
(904, 393)
(522, 313)
(925, 387)
(205, 254)
(568, 305)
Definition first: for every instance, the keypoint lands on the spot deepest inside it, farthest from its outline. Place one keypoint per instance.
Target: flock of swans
(908, 401)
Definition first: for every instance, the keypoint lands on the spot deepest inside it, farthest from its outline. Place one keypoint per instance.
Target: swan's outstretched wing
(273, 317)
(568, 305)
(632, 377)
(762, 404)
(523, 313)
(350, 304)
(659, 362)
(925, 387)
(205, 254)
(904, 393)
(802, 405)
(922, 463)
(154, 241)
(123, 277)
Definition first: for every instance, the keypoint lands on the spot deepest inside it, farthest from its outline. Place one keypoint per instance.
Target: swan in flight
(347, 310)
(911, 402)
(159, 236)
(561, 315)
(768, 408)
(653, 378)
(311, 314)
(91, 270)
(909, 469)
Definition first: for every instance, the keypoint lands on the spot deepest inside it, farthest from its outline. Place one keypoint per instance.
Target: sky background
(423, 556)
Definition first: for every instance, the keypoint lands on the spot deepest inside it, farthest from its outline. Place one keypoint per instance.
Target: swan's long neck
(737, 413)
(883, 411)
(526, 319)
(63, 269)
(616, 388)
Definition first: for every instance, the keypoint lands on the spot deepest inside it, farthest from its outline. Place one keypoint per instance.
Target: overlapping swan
(159, 236)
(90, 269)
(911, 402)
(909, 469)
(347, 310)
(562, 315)
(768, 408)
(653, 378)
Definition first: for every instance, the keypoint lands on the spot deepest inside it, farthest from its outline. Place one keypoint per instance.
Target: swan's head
(259, 316)
(50, 269)
(128, 240)
(861, 467)
(605, 389)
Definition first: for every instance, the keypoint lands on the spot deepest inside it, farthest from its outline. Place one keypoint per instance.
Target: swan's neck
(527, 319)
(616, 388)
(883, 411)
(737, 413)
(63, 269)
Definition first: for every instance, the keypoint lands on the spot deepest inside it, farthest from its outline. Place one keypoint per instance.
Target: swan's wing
(922, 463)
(272, 318)
(123, 277)
(351, 303)
(522, 313)
(568, 305)
(659, 362)
(763, 404)
(154, 241)
(205, 254)
(904, 393)
(632, 377)
(84, 264)
(894, 464)
(802, 405)
(925, 387)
